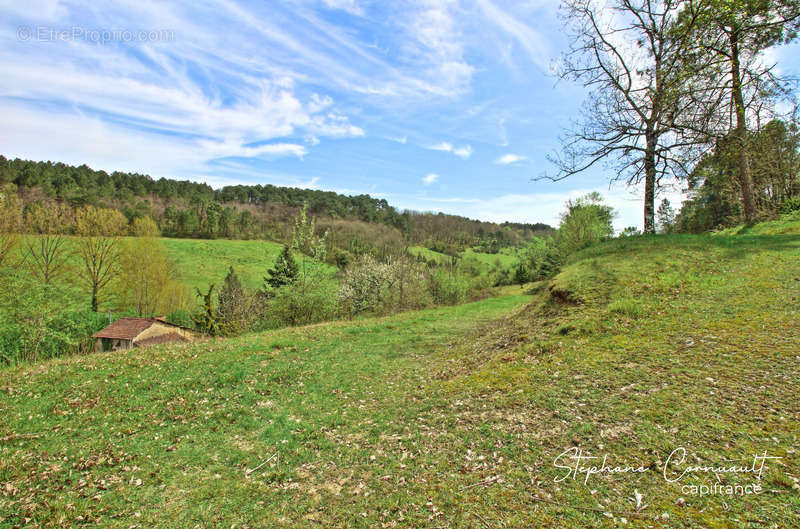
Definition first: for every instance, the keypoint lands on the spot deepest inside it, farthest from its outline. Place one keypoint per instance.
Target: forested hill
(191, 209)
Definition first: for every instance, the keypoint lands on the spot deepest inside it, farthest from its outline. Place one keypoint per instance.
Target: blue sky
(434, 105)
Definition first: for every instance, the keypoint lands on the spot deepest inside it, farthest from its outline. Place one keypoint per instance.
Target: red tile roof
(127, 328)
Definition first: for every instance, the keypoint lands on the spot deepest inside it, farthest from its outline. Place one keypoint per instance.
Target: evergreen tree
(666, 216)
(232, 303)
(521, 275)
(285, 271)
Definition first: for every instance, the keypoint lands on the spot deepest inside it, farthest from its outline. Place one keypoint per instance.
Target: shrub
(448, 287)
(501, 276)
(410, 289)
(310, 296)
(371, 286)
(364, 285)
(542, 259)
(341, 258)
(792, 204)
(586, 221)
(238, 307)
(40, 321)
(296, 305)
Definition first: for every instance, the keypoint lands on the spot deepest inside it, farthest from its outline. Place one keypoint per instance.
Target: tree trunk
(650, 184)
(743, 159)
(94, 298)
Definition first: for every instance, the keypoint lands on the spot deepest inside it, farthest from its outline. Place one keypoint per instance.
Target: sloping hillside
(452, 417)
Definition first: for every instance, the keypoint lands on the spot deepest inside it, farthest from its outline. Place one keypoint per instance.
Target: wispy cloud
(430, 178)
(509, 159)
(462, 152)
(437, 48)
(444, 146)
(227, 82)
(531, 41)
(350, 6)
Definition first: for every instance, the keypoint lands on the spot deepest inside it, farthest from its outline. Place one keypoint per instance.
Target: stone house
(127, 332)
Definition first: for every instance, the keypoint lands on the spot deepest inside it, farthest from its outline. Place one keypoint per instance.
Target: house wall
(110, 344)
(157, 329)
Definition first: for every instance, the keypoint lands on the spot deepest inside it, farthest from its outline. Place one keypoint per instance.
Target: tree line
(679, 90)
(191, 209)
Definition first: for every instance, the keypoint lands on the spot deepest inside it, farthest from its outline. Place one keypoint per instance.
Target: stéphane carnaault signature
(578, 465)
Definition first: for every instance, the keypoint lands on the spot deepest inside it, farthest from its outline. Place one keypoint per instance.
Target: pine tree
(521, 275)
(232, 303)
(285, 271)
(666, 216)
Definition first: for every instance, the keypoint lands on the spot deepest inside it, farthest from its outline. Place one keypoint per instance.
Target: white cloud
(318, 102)
(227, 149)
(162, 96)
(445, 146)
(430, 178)
(436, 48)
(350, 6)
(531, 41)
(463, 152)
(509, 159)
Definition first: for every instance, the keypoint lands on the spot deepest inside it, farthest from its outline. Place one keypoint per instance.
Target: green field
(507, 258)
(201, 262)
(448, 417)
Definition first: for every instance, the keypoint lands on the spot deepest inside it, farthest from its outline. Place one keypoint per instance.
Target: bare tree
(45, 249)
(98, 246)
(631, 55)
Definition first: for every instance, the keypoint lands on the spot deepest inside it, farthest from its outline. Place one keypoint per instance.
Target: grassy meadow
(447, 417)
(203, 261)
(200, 262)
(506, 258)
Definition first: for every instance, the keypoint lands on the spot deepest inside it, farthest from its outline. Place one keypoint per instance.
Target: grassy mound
(787, 224)
(451, 417)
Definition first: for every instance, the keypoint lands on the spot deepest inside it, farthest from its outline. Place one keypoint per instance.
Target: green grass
(787, 224)
(449, 417)
(507, 258)
(202, 262)
(429, 254)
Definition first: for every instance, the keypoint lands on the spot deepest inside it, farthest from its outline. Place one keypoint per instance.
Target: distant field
(202, 262)
(507, 258)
